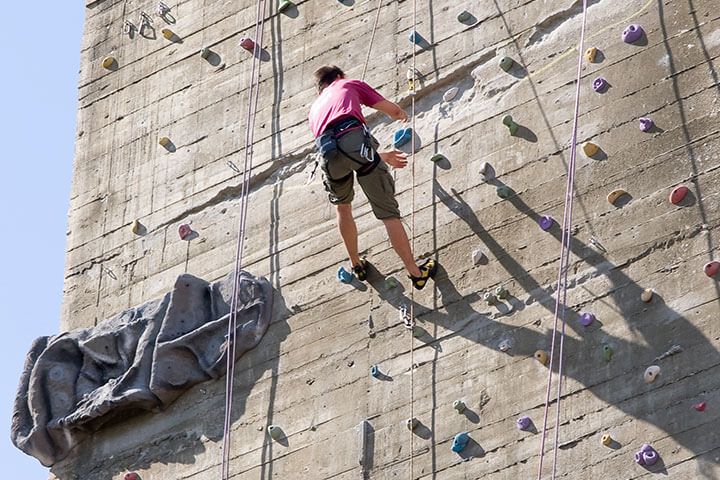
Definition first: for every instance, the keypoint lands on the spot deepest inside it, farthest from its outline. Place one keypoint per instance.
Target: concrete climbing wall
(310, 373)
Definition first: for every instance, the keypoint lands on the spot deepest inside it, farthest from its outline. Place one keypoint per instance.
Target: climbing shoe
(360, 270)
(427, 271)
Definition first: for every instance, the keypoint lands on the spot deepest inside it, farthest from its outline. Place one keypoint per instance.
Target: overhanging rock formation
(141, 359)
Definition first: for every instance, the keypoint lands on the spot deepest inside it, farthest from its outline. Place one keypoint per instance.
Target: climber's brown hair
(324, 76)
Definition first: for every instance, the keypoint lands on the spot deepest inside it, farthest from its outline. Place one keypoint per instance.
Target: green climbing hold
(464, 16)
(438, 157)
(502, 293)
(510, 123)
(503, 191)
(275, 432)
(489, 298)
(506, 63)
(607, 352)
(390, 282)
(284, 5)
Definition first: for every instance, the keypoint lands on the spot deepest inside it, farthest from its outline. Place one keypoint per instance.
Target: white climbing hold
(651, 373)
(487, 171)
(477, 256)
(450, 94)
(505, 345)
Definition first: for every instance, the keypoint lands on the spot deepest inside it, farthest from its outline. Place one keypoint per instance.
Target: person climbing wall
(347, 149)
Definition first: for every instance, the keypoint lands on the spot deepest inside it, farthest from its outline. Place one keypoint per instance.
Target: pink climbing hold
(184, 230)
(131, 476)
(712, 268)
(247, 44)
(700, 407)
(678, 194)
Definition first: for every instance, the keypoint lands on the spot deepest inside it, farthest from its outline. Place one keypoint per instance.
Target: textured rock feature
(141, 359)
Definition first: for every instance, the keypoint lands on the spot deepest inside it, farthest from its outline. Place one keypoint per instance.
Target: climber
(346, 149)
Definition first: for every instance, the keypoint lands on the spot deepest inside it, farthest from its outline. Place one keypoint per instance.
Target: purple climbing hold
(647, 456)
(646, 124)
(586, 319)
(600, 84)
(632, 33)
(546, 222)
(523, 423)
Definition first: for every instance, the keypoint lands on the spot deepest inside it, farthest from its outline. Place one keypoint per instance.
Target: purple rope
(240, 244)
(563, 270)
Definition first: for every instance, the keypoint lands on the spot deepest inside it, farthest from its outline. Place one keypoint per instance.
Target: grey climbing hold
(502, 293)
(205, 52)
(275, 432)
(489, 298)
(464, 16)
(450, 94)
(651, 373)
(506, 63)
(477, 256)
(411, 423)
(487, 171)
(459, 406)
(505, 345)
(646, 295)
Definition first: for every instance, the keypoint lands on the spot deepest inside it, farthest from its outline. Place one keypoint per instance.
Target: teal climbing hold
(415, 37)
(402, 136)
(460, 442)
(390, 282)
(506, 63)
(510, 123)
(607, 352)
(503, 191)
(464, 16)
(284, 5)
(344, 276)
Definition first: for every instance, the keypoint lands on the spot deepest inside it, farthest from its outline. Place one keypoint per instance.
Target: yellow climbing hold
(109, 63)
(606, 440)
(167, 33)
(590, 149)
(615, 195)
(165, 142)
(541, 356)
(590, 54)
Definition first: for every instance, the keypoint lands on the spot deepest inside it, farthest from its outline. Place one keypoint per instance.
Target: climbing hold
(541, 356)
(600, 84)
(503, 191)
(546, 222)
(615, 195)
(168, 34)
(505, 345)
(523, 423)
(460, 442)
(284, 5)
(415, 37)
(390, 282)
(606, 440)
(678, 194)
(700, 407)
(586, 319)
(109, 63)
(512, 126)
(136, 226)
(275, 432)
(165, 143)
(375, 371)
(205, 52)
(590, 149)
(459, 405)
(344, 276)
(646, 456)
(646, 295)
(487, 171)
(464, 16)
(402, 136)
(248, 44)
(411, 423)
(651, 373)
(438, 157)
(646, 124)
(489, 298)
(590, 54)
(450, 94)
(632, 33)
(131, 476)
(184, 231)
(477, 256)
(502, 292)
(712, 268)
(607, 352)
(506, 63)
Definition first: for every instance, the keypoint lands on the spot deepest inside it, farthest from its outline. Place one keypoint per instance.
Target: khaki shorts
(378, 185)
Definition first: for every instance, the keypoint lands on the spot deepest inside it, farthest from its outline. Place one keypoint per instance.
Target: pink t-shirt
(343, 98)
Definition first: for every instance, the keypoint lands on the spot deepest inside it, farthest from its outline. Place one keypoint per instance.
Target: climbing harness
(561, 299)
(240, 243)
(328, 147)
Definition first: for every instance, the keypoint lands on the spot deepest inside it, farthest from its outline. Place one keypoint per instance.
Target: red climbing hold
(678, 194)
(184, 230)
(247, 44)
(700, 407)
(131, 476)
(712, 268)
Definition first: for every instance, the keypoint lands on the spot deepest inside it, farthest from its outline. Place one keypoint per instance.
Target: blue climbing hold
(415, 37)
(460, 442)
(375, 371)
(344, 276)
(402, 137)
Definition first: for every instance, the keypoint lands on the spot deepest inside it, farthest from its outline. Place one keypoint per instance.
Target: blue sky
(40, 51)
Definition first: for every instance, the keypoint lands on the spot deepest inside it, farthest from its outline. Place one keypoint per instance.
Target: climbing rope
(231, 347)
(372, 39)
(412, 246)
(561, 299)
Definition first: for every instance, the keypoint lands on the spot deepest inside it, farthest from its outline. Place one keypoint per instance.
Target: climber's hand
(394, 158)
